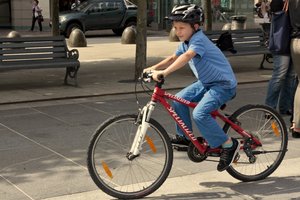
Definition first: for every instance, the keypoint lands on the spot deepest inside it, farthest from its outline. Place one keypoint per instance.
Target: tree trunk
(208, 15)
(54, 17)
(141, 38)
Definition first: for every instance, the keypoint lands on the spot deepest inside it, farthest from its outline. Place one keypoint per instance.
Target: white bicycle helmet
(187, 13)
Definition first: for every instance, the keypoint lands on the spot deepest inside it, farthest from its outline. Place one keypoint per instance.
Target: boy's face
(184, 31)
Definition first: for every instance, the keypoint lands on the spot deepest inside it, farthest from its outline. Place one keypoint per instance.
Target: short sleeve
(180, 50)
(197, 45)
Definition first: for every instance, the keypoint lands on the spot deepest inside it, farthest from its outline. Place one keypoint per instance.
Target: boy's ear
(196, 26)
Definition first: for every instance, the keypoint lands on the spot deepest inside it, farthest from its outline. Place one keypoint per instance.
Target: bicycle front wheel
(265, 124)
(120, 177)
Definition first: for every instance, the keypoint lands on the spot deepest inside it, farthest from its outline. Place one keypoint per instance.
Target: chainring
(194, 155)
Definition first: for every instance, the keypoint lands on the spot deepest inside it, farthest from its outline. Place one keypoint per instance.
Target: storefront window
(5, 15)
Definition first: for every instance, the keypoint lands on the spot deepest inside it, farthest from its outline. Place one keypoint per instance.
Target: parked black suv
(100, 15)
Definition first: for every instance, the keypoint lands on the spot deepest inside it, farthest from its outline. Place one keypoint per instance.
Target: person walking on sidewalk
(282, 85)
(36, 15)
(215, 85)
(294, 12)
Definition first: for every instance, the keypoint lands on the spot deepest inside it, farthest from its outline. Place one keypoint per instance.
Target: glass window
(105, 6)
(5, 15)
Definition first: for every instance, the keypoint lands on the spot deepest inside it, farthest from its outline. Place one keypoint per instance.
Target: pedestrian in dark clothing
(36, 15)
(282, 85)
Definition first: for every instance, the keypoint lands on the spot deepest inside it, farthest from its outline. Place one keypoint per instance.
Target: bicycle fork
(143, 118)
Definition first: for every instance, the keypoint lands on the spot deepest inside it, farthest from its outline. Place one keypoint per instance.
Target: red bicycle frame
(160, 95)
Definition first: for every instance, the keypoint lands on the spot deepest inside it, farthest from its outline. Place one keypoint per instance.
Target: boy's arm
(163, 64)
(181, 61)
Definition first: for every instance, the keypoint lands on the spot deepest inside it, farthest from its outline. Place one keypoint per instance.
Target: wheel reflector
(275, 129)
(106, 169)
(151, 144)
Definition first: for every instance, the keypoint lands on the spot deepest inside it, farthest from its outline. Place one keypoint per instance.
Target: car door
(93, 16)
(105, 14)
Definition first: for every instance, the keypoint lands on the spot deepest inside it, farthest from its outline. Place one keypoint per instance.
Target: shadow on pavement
(275, 187)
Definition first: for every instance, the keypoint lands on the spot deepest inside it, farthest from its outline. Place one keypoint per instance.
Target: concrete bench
(245, 42)
(39, 53)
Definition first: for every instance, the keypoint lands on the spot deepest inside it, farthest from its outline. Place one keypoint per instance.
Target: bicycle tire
(110, 144)
(266, 124)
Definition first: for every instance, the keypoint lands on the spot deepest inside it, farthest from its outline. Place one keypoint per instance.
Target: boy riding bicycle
(215, 86)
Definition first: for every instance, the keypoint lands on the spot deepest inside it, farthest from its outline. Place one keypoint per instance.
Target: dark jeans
(33, 23)
(282, 85)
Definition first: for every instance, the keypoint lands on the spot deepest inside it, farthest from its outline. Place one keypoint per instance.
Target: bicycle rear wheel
(268, 126)
(120, 177)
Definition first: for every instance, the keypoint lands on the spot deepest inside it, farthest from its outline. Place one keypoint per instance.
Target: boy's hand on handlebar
(157, 75)
(147, 70)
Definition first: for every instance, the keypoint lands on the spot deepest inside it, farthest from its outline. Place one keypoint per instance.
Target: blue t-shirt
(209, 65)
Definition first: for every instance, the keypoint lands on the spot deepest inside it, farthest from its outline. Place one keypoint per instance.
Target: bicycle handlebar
(147, 77)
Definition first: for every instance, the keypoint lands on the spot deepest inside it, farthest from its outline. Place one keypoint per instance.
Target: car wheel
(71, 27)
(119, 31)
(131, 23)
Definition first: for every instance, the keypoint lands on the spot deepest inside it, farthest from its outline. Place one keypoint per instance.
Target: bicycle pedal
(180, 148)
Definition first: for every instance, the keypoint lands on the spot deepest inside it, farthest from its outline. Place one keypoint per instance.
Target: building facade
(222, 10)
(17, 14)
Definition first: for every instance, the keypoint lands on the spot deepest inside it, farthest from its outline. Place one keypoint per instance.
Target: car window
(128, 3)
(106, 6)
(82, 6)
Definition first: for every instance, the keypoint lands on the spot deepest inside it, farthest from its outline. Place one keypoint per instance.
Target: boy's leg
(209, 127)
(193, 93)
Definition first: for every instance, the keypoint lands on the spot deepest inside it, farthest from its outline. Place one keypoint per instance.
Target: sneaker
(180, 140)
(295, 134)
(228, 155)
(288, 112)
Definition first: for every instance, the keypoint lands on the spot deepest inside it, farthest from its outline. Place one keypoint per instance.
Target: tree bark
(141, 38)
(208, 15)
(54, 17)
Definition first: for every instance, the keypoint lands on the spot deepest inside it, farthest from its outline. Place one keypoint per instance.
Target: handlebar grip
(160, 77)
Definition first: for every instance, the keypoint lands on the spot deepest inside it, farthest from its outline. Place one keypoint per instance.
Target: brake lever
(146, 77)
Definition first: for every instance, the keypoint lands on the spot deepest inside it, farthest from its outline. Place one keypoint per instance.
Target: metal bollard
(129, 35)
(238, 22)
(13, 34)
(77, 39)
